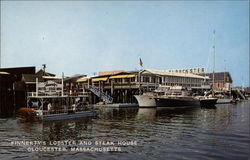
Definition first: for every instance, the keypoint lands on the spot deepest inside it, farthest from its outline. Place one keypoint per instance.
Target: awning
(99, 79)
(123, 76)
(4, 73)
(83, 79)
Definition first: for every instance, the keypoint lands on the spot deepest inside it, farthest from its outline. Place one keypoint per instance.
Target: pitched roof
(103, 73)
(73, 78)
(173, 74)
(42, 73)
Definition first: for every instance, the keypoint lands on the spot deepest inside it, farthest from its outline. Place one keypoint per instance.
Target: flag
(141, 63)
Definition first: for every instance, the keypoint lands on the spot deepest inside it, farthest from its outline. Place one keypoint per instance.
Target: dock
(116, 105)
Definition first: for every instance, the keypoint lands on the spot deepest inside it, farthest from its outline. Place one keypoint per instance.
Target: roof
(110, 72)
(31, 78)
(52, 77)
(83, 79)
(18, 71)
(42, 73)
(74, 78)
(100, 79)
(219, 76)
(4, 73)
(123, 76)
(166, 73)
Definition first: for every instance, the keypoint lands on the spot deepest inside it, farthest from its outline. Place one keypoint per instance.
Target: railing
(35, 94)
(58, 94)
(68, 111)
(101, 94)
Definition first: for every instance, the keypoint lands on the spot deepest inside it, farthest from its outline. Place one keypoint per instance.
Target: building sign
(49, 87)
(192, 70)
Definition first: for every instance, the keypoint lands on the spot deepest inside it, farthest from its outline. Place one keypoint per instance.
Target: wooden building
(12, 90)
(122, 86)
(222, 81)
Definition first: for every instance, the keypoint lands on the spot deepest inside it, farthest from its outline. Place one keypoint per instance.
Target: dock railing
(68, 111)
(57, 94)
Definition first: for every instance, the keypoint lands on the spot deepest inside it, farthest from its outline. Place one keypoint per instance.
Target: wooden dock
(116, 105)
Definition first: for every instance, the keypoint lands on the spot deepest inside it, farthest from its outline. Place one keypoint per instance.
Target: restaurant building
(123, 85)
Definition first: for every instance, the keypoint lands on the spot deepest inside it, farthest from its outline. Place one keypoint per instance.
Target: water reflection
(146, 114)
(162, 133)
(67, 129)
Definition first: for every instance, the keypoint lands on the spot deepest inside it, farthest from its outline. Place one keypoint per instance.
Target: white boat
(224, 100)
(146, 101)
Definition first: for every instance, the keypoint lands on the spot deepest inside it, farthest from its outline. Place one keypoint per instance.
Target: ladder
(108, 99)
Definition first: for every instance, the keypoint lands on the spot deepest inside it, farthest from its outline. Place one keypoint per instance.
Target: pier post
(112, 88)
(36, 86)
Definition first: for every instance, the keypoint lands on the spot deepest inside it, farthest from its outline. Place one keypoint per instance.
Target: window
(132, 79)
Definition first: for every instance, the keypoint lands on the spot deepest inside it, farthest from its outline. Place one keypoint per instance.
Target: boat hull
(209, 102)
(224, 100)
(177, 102)
(145, 101)
(62, 116)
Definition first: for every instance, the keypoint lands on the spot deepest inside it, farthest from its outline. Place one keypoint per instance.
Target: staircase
(108, 99)
(240, 94)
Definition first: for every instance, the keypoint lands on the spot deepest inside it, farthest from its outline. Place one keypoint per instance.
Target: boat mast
(62, 84)
(213, 60)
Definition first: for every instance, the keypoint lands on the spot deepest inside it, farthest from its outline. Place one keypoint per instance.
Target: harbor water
(135, 133)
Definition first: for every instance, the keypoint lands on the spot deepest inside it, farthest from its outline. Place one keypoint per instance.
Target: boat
(171, 98)
(50, 102)
(208, 102)
(25, 114)
(224, 100)
(146, 101)
(177, 101)
(223, 97)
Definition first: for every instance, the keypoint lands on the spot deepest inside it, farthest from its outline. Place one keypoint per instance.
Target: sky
(86, 37)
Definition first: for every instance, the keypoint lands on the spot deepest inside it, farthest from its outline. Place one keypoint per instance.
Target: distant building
(222, 81)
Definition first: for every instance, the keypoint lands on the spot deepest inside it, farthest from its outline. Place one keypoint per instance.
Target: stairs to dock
(108, 99)
(240, 94)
